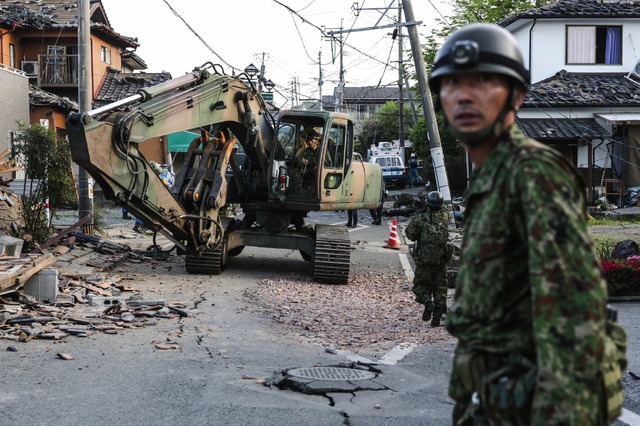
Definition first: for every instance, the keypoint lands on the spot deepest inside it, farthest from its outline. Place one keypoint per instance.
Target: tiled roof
(579, 9)
(565, 128)
(133, 60)
(118, 85)
(41, 14)
(39, 97)
(370, 94)
(566, 89)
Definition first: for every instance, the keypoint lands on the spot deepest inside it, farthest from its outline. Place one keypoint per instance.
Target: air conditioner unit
(30, 68)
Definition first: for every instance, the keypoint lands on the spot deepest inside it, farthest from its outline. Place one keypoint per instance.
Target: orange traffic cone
(393, 236)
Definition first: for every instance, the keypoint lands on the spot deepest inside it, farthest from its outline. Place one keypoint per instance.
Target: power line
(198, 36)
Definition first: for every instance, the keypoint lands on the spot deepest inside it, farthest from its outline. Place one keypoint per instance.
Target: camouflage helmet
(435, 200)
(479, 48)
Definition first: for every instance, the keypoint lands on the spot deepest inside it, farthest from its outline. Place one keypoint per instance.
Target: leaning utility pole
(427, 105)
(400, 84)
(320, 80)
(85, 183)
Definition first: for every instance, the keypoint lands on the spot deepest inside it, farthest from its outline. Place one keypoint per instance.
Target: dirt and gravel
(372, 310)
(616, 232)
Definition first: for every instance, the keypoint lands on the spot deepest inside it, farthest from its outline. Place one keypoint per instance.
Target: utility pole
(261, 77)
(340, 97)
(414, 114)
(320, 81)
(427, 105)
(400, 84)
(85, 183)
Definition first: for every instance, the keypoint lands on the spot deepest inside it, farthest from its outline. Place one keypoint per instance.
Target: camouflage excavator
(275, 197)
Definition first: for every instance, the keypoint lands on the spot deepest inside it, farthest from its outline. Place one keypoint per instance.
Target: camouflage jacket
(430, 232)
(529, 280)
(310, 156)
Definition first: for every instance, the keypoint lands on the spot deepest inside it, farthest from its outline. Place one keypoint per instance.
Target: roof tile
(566, 89)
(118, 85)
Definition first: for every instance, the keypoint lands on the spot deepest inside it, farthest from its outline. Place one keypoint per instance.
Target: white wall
(14, 103)
(547, 47)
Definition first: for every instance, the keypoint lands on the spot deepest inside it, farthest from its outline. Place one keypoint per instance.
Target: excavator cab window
(298, 156)
(334, 157)
(286, 142)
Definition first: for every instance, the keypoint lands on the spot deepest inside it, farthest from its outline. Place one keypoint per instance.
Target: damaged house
(584, 99)
(39, 48)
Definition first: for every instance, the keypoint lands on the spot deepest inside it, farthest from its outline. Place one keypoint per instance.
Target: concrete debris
(62, 293)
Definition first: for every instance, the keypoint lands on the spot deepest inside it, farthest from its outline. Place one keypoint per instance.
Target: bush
(623, 276)
(46, 161)
(604, 247)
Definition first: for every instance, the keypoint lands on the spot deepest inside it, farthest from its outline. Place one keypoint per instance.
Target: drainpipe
(535, 21)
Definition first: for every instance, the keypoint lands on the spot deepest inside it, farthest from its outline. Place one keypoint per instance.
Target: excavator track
(332, 258)
(210, 262)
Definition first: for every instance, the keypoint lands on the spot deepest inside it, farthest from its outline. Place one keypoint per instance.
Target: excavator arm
(105, 142)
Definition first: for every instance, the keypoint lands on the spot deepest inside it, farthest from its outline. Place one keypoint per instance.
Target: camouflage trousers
(430, 285)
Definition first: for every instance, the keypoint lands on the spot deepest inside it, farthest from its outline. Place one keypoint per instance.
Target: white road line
(396, 354)
(354, 358)
(629, 417)
(390, 358)
(406, 266)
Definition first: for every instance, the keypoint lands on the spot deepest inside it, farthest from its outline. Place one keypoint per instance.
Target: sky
(290, 45)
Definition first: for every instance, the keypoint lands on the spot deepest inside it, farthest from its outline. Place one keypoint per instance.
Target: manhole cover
(331, 373)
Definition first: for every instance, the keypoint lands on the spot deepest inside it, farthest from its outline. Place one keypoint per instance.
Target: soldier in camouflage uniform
(431, 253)
(305, 163)
(529, 310)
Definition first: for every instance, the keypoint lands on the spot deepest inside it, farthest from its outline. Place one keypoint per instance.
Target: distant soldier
(431, 253)
(414, 179)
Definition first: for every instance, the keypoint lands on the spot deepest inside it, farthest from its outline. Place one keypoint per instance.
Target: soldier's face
(471, 102)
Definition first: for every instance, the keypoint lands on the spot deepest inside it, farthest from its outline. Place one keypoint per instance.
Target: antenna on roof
(634, 75)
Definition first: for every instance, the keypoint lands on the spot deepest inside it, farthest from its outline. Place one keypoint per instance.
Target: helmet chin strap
(478, 137)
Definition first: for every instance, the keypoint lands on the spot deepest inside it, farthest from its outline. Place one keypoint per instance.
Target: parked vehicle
(393, 171)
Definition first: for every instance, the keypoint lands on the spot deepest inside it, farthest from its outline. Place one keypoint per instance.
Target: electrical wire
(199, 38)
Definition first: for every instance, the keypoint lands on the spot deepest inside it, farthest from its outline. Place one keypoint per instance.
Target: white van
(393, 171)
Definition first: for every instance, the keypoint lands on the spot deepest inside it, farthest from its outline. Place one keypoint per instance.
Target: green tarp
(180, 141)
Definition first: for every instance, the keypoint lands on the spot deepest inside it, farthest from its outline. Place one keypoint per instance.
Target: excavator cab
(325, 175)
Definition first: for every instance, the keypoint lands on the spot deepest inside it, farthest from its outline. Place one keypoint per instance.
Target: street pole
(261, 78)
(400, 86)
(437, 155)
(85, 183)
(320, 81)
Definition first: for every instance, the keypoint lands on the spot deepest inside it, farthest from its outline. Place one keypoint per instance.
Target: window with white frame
(594, 44)
(12, 55)
(105, 54)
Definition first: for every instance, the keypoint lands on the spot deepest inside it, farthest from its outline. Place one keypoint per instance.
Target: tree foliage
(469, 11)
(464, 12)
(384, 125)
(46, 161)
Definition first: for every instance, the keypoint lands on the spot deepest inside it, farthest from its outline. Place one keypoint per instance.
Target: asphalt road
(226, 349)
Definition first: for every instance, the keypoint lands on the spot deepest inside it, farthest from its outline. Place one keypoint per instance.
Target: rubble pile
(370, 310)
(83, 307)
(69, 292)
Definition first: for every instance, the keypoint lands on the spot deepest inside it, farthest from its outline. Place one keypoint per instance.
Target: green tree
(464, 12)
(384, 125)
(46, 161)
(469, 11)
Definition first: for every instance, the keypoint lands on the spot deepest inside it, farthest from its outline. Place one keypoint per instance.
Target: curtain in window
(581, 45)
(612, 52)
